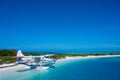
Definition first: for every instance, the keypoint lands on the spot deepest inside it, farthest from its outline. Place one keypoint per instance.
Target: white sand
(21, 66)
(67, 58)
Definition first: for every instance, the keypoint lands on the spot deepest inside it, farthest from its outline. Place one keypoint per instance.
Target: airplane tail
(19, 53)
(20, 57)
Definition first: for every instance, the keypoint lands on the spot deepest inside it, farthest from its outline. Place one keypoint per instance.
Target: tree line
(6, 55)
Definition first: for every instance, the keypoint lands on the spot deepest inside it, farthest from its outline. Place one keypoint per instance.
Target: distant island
(6, 56)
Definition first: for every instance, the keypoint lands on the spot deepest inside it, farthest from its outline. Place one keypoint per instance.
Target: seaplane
(34, 61)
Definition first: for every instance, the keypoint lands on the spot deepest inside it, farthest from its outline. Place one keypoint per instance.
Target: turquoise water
(83, 69)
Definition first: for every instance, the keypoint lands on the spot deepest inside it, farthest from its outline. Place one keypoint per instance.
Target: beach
(15, 67)
(70, 68)
(66, 59)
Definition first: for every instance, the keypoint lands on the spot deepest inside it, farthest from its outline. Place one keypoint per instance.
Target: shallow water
(83, 69)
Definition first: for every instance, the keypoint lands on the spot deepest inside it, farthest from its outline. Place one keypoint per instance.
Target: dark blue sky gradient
(59, 24)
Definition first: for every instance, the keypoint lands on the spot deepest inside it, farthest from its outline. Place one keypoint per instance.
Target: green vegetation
(8, 60)
(59, 56)
(6, 55)
(8, 52)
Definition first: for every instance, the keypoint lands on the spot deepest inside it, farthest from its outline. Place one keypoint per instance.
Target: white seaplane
(34, 61)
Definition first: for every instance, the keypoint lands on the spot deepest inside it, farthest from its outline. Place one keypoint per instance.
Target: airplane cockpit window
(37, 59)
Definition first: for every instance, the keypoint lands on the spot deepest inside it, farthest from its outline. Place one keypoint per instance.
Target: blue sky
(59, 24)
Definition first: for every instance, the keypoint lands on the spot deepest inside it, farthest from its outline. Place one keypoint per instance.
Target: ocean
(83, 69)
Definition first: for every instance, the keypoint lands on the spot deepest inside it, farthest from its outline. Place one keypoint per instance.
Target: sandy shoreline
(21, 66)
(16, 67)
(86, 57)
